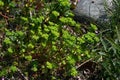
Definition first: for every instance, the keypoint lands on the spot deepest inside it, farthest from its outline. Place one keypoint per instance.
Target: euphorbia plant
(42, 43)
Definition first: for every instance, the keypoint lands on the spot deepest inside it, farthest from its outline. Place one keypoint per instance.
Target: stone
(93, 10)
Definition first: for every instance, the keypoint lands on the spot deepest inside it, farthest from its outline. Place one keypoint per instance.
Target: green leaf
(1, 3)
(104, 44)
(63, 62)
(118, 32)
(34, 68)
(64, 3)
(62, 19)
(13, 68)
(31, 0)
(12, 4)
(41, 18)
(29, 57)
(45, 36)
(32, 24)
(10, 50)
(3, 72)
(23, 50)
(94, 27)
(73, 71)
(111, 41)
(87, 53)
(55, 33)
(43, 44)
(96, 39)
(54, 48)
(9, 33)
(49, 65)
(51, 23)
(20, 33)
(70, 14)
(55, 13)
(7, 41)
(81, 40)
(70, 60)
(32, 31)
(15, 63)
(35, 37)
(30, 45)
(24, 19)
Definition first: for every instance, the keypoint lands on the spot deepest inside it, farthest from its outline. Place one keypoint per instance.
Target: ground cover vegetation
(40, 40)
(110, 39)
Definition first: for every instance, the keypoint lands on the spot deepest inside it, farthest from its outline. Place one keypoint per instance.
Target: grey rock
(93, 10)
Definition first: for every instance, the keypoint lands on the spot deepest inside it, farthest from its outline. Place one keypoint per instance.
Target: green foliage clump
(42, 42)
(110, 49)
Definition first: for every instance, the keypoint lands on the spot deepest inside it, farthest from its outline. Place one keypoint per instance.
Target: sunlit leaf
(1, 3)
(13, 68)
(7, 41)
(55, 13)
(29, 57)
(30, 45)
(10, 50)
(49, 65)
